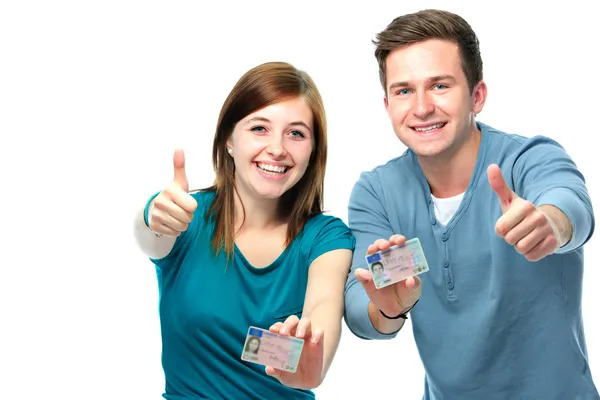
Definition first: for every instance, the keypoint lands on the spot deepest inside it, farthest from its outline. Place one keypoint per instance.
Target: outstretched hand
(393, 299)
(308, 374)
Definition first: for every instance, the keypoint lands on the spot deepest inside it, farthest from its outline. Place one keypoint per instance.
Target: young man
(502, 220)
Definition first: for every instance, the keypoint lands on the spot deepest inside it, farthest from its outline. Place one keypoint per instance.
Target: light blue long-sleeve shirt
(489, 324)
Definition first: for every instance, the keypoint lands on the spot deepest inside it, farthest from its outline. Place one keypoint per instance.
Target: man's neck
(449, 174)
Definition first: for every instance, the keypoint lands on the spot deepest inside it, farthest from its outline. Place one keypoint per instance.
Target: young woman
(254, 249)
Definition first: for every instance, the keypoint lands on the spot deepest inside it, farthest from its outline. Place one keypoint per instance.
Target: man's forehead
(423, 62)
(424, 53)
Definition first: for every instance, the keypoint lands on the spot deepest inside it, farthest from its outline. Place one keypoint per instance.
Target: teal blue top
(206, 308)
(490, 325)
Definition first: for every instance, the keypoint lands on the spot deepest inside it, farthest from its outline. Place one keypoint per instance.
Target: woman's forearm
(327, 315)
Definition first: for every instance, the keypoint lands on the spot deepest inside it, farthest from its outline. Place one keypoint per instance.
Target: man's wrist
(559, 222)
(381, 324)
(402, 314)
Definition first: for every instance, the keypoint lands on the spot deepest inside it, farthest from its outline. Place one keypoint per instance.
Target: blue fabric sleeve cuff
(577, 212)
(147, 207)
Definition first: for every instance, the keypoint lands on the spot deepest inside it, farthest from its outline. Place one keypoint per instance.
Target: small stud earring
(230, 150)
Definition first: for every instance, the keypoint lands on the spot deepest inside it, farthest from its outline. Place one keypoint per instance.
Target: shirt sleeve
(334, 235)
(545, 174)
(368, 222)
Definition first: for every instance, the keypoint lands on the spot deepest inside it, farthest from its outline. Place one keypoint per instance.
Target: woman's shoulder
(322, 220)
(325, 226)
(323, 233)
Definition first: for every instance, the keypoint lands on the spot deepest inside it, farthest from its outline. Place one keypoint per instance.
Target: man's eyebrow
(437, 78)
(398, 84)
(445, 77)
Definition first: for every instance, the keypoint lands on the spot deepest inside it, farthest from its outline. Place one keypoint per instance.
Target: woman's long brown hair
(260, 87)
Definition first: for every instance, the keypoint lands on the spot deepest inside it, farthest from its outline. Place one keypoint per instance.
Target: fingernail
(282, 331)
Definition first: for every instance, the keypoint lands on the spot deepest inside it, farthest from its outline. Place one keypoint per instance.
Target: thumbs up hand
(531, 230)
(173, 209)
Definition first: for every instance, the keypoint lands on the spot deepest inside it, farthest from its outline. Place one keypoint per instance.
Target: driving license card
(268, 348)
(397, 263)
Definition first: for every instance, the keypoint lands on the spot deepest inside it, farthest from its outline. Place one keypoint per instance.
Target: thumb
(365, 278)
(179, 167)
(363, 275)
(499, 186)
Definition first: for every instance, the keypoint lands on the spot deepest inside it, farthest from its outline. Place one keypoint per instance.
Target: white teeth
(429, 128)
(272, 168)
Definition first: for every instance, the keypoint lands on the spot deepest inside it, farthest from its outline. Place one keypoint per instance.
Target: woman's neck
(253, 214)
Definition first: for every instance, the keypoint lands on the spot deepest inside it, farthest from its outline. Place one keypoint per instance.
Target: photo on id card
(271, 349)
(397, 263)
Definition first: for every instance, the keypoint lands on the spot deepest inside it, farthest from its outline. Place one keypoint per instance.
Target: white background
(94, 97)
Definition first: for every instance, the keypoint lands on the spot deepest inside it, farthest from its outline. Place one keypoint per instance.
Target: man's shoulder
(512, 141)
(399, 177)
(383, 173)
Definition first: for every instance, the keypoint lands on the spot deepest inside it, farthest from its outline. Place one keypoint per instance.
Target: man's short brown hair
(431, 24)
